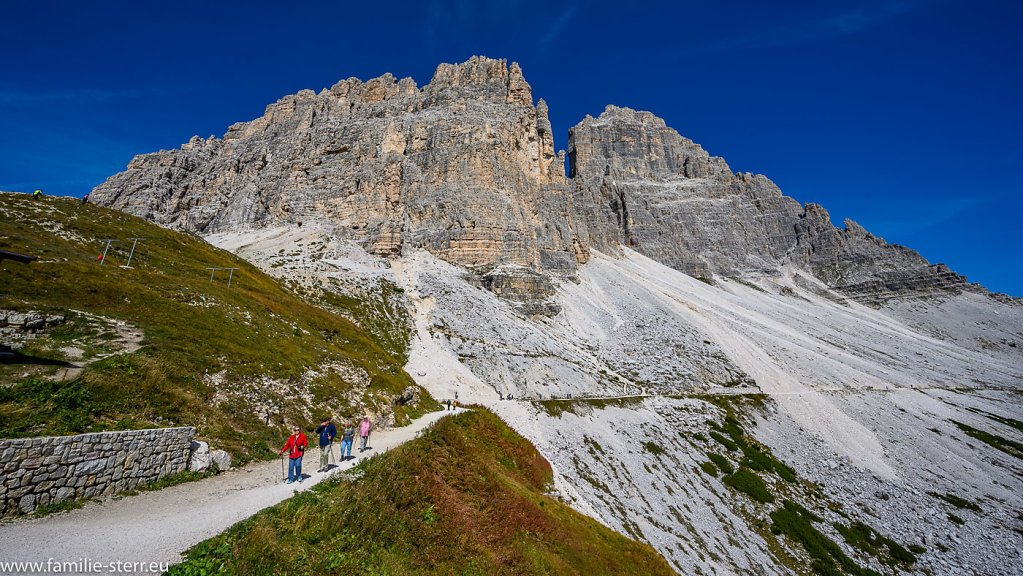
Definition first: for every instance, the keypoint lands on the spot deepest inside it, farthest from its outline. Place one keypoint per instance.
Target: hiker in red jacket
(295, 446)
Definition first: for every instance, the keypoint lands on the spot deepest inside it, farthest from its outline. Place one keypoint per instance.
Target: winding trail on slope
(128, 339)
(159, 526)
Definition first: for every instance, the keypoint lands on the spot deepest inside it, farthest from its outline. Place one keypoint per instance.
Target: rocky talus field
(709, 366)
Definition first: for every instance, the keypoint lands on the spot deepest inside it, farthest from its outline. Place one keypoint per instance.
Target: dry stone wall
(50, 470)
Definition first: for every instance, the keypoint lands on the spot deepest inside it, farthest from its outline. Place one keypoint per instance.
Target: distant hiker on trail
(85, 199)
(37, 194)
(364, 429)
(295, 447)
(449, 403)
(347, 437)
(327, 432)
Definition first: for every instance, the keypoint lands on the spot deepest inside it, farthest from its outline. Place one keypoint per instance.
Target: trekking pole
(284, 474)
(332, 461)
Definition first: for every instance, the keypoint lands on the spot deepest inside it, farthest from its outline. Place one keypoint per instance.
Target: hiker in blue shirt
(327, 432)
(347, 437)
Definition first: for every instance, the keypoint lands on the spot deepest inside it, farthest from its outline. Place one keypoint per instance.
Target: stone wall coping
(97, 435)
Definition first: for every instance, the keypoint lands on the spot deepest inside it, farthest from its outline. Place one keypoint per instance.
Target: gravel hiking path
(159, 526)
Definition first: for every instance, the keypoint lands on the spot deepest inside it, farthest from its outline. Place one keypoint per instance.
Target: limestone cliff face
(670, 200)
(865, 267)
(665, 197)
(465, 167)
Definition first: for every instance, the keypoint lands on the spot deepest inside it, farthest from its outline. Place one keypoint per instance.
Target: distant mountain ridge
(465, 167)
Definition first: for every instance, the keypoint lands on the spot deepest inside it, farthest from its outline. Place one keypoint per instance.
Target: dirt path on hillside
(126, 339)
(159, 526)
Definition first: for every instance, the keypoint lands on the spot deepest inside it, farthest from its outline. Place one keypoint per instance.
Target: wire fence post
(103, 258)
(135, 243)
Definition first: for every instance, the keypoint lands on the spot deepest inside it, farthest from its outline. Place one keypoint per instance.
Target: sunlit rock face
(673, 202)
(465, 167)
(665, 197)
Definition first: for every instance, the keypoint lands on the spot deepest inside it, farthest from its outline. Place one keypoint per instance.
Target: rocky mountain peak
(496, 77)
(637, 145)
(381, 88)
(465, 167)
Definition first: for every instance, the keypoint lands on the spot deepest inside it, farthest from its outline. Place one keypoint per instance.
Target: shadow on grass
(17, 358)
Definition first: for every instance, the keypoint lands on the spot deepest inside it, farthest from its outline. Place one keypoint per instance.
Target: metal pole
(136, 241)
(108, 241)
(230, 275)
(213, 271)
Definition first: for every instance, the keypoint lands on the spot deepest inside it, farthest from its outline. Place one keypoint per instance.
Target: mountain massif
(465, 168)
(709, 366)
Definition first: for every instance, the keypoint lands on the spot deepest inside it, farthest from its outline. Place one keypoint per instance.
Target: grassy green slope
(466, 497)
(215, 357)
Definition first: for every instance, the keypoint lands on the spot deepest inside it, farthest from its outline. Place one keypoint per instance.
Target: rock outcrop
(13, 322)
(864, 267)
(465, 167)
(221, 459)
(667, 198)
(199, 459)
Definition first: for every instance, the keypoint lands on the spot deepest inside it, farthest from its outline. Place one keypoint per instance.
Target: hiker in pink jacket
(364, 429)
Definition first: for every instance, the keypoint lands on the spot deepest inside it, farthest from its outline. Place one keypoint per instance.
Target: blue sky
(903, 115)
